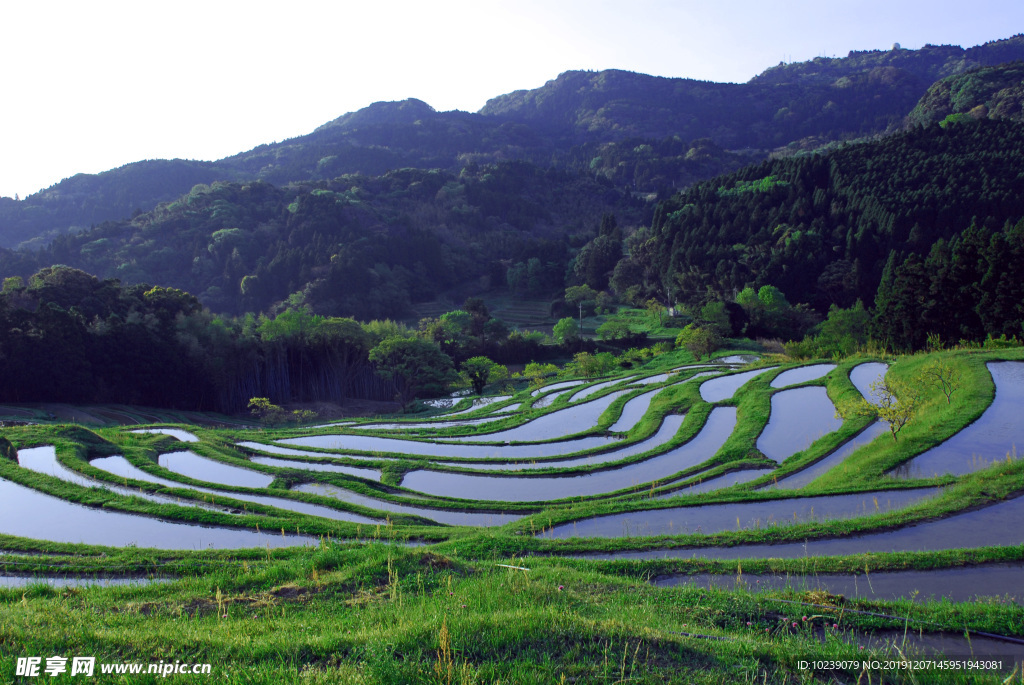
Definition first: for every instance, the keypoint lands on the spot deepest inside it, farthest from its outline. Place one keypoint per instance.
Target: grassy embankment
(385, 614)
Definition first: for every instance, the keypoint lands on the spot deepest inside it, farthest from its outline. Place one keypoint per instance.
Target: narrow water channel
(999, 524)
(122, 467)
(999, 581)
(708, 519)
(702, 447)
(32, 514)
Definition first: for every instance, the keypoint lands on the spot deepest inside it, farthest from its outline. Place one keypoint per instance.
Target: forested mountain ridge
(361, 246)
(994, 92)
(828, 229)
(578, 121)
(824, 98)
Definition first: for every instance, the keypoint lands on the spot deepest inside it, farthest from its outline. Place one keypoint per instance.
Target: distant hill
(992, 92)
(579, 122)
(824, 99)
(360, 246)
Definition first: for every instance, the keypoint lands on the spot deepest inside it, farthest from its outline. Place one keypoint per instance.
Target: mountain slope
(362, 246)
(824, 98)
(994, 92)
(822, 227)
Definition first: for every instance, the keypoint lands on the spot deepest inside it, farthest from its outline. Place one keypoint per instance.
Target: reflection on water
(200, 468)
(819, 468)
(183, 436)
(556, 386)
(288, 451)
(724, 387)
(77, 581)
(448, 517)
(668, 429)
(799, 417)
(44, 460)
(57, 520)
(999, 524)
(369, 474)
(863, 375)
(368, 443)
(996, 434)
(633, 411)
(480, 402)
(122, 467)
(715, 518)
(702, 447)
(956, 584)
(737, 359)
(558, 424)
(802, 374)
(593, 389)
(411, 425)
(726, 480)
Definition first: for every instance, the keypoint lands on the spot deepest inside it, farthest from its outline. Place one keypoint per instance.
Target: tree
(566, 330)
(894, 401)
(715, 314)
(584, 364)
(414, 365)
(480, 371)
(537, 372)
(946, 376)
(268, 413)
(655, 309)
(577, 295)
(614, 329)
(7, 450)
(478, 313)
(701, 341)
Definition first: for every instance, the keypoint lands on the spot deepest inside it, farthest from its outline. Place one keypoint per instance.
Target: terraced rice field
(673, 465)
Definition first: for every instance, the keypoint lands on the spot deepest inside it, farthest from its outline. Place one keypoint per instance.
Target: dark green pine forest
(882, 191)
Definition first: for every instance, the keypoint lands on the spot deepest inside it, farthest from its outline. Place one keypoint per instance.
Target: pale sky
(90, 86)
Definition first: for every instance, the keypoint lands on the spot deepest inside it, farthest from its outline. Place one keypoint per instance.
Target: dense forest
(829, 229)
(355, 246)
(68, 336)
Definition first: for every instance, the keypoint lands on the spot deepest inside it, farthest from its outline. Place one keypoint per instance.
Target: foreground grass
(382, 614)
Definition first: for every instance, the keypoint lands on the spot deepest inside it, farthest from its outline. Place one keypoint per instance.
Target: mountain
(993, 92)
(822, 99)
(578, 121)
(859, 222)
(365, 246)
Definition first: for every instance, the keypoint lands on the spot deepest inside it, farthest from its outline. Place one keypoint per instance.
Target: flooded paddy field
(997, 434)
(1000, 582)
(540, 488)
(999, 524)
(714, 518)
(799, 417)
(592, 469)
(56, 520)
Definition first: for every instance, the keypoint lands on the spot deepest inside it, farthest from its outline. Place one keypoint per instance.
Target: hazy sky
(89, 86)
